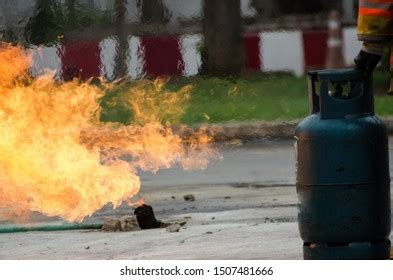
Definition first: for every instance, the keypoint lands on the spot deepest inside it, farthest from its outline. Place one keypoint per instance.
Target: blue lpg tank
(343, 180)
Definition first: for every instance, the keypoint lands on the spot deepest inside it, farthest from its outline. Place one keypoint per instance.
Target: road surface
(244, 208)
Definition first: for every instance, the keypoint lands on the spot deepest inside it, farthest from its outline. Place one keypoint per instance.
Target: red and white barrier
(46, 58)
(81, 59)
(136, 58)
(314, 49)
(282, 51)
(252, 51)
(295, 52)
(107, 58)
(351, 45)
(190, 47)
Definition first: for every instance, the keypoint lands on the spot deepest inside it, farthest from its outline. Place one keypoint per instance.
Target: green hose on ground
(15, 229)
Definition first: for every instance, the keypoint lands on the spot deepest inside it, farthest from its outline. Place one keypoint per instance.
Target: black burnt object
(145, 217)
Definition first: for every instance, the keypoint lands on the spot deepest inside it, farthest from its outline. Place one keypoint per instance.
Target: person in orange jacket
(375, 29)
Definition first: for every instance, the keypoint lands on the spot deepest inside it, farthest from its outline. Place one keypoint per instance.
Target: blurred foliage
(8, 35)
(52, 18)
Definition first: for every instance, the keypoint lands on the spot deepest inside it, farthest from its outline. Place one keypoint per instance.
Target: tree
(44, 26)
(153, 11)
(222, 29)
(70, 4)
(52, 18)
(266, 8)
(122, 39)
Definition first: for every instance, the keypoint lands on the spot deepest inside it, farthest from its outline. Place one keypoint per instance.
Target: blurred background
(246, 59)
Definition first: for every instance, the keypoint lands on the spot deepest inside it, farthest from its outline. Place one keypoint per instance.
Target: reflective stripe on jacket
(375, 23)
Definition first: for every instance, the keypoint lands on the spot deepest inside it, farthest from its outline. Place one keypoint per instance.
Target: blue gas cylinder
(343, 180)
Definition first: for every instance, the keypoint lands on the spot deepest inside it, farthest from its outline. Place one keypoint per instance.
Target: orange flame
(56, 158)
(140, 202)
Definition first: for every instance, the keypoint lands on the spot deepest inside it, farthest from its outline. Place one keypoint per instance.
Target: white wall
(184, 8)
(15, 13)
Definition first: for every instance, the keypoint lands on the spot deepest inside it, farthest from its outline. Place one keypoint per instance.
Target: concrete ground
(244, 208)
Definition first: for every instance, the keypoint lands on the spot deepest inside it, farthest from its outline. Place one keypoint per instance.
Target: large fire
(56, 157)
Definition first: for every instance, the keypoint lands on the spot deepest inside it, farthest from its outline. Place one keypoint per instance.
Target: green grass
(256, 97)
(383, 102)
